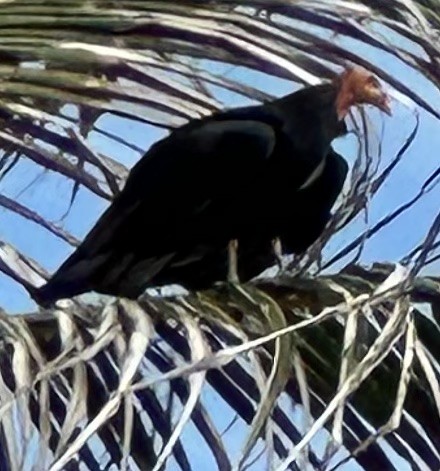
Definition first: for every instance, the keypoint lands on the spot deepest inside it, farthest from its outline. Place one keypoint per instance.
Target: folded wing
(172, 200)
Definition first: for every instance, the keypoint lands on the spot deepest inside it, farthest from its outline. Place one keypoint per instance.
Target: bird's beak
(383, 103)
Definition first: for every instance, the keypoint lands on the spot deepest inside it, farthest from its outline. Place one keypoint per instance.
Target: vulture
(249, 175)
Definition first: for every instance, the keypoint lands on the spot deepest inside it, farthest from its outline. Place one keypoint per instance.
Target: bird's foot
(278, 253)
(233, 262)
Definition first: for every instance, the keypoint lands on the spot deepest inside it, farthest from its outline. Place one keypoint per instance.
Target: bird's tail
(43, 296)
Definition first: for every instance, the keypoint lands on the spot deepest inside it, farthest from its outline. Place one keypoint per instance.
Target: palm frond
(104, 359)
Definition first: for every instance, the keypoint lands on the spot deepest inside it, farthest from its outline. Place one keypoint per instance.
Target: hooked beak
(383, 103)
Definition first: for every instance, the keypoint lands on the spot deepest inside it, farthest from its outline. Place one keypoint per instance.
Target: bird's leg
(277, 249)
(233, 262)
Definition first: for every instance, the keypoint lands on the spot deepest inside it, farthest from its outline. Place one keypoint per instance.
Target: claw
(233, 262)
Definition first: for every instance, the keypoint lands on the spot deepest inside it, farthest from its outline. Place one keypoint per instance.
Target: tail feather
(72, 278)
(41, 296)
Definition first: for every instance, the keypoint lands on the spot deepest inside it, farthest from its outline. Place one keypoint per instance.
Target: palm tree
(331, 365)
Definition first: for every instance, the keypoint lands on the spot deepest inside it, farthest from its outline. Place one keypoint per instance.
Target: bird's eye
(373, 82)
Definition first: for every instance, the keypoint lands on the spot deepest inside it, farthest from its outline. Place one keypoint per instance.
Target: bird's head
(357, 86)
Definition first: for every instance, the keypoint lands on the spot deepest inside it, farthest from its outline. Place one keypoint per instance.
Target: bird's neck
(344, 100)
(311, 123)
(314, 106)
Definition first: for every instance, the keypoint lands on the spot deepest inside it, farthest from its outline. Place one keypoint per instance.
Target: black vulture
(250, 174)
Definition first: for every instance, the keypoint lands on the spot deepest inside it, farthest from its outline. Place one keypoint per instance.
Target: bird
(249, 174)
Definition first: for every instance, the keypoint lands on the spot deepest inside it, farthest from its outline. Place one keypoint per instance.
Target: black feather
(244, 173)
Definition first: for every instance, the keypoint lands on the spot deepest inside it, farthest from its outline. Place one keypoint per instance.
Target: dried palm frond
(102, 374)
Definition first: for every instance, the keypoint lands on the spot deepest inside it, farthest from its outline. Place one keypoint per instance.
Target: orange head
(357, 86)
